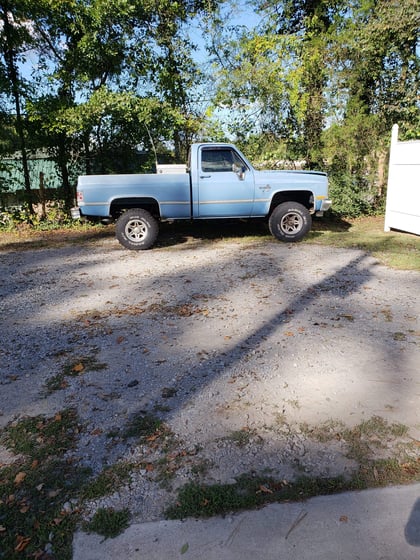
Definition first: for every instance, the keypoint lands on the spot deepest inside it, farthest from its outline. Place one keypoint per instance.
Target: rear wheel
(290, 221)
(136, 229)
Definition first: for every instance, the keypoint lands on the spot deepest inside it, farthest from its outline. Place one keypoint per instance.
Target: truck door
(225, 184)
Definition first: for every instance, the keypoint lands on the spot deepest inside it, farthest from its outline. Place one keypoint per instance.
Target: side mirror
(239, 170)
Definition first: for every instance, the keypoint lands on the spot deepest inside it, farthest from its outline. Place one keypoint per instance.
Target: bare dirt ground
(246, 350)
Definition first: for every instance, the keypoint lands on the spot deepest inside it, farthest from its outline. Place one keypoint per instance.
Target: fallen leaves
(347, 316)
(20, 477)
(264, 489)
(25, 508)
(21, 543)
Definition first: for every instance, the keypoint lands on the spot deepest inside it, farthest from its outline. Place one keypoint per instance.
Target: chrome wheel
(291, 223)
(136, 230)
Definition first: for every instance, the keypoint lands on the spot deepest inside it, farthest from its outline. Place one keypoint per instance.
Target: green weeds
(75, 368)
(361, 441)
(241, 437)
(198, 500)
(195, 500)
(108, 522)
(38, 504)
(42, 492)
(107, 481)
(142, 425)
(395, 249)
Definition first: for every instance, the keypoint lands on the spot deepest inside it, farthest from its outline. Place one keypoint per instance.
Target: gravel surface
(242, 349)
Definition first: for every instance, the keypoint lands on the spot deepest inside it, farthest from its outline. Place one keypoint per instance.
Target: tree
(278, 74)
(376, 79)
(328, 78)
(15, 37)
(101, 58)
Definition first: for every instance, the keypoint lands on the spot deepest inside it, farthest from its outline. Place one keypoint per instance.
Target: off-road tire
(137, 229)
(290, 221)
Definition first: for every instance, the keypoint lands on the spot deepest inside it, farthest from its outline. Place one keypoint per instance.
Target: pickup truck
(218, 182)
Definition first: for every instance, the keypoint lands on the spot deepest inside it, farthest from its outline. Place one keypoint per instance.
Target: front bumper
(325, 205)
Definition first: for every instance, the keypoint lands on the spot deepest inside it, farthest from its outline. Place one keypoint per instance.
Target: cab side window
(217, 160)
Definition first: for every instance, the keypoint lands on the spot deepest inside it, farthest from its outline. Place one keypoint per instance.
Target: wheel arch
(304, 197)
(120, 205)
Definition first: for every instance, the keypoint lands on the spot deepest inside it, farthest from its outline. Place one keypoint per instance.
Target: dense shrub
(352, 196)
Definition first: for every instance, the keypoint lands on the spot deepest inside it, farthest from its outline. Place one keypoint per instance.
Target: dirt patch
(242, 350)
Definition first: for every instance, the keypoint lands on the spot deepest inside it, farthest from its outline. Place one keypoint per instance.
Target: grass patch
(360, 439)
(395, 249)
(197, 500)
(30, 238)
(39, 491)
(374, 432)
(241, 438)
(39, 437)
(326, 431)
(142, 425)
(43, 490)
(107, 481)
(386, 472)
(108, 522)
(75, 368)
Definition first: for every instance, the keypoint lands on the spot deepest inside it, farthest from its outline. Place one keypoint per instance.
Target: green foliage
(19, 218)
(74, 368)
(38, 437)
(248, 492)
(253, 491)
(108, 522)
(350, 195)
(328, 80)
(142, 425)
(107, 481)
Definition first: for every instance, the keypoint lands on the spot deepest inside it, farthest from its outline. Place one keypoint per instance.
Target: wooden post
(42, 195)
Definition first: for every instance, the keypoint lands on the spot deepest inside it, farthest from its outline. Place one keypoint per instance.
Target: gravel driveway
(243, 349)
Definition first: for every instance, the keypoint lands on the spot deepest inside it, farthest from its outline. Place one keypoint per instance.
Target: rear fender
(120, 205)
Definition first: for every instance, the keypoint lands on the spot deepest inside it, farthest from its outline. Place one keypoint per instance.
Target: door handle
(205, 176)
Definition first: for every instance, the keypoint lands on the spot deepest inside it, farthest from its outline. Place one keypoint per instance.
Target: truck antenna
(153, 145)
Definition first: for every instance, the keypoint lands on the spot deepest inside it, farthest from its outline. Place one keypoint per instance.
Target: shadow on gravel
(337, 285)
(178, 233)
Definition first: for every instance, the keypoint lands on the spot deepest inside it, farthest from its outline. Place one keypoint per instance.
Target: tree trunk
(12, 73)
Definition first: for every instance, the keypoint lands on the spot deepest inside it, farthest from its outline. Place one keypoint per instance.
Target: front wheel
(136, 229)
(290, 221)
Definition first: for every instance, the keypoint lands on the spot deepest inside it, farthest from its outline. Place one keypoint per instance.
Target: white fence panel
(403, 194)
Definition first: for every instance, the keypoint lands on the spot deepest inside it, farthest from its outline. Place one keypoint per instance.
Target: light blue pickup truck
(219, 182)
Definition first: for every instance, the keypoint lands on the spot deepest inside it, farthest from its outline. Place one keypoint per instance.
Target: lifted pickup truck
(219, 182)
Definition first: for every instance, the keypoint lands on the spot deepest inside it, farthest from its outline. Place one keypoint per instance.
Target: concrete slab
(379, 524)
